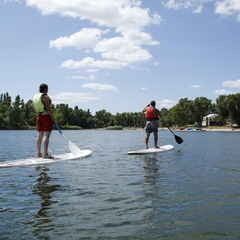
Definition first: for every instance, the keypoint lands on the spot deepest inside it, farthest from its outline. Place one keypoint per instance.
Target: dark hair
(153, 103)
(42, 87)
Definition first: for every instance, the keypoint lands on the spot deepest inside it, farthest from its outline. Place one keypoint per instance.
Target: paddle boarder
(45, 119)
(151, 116)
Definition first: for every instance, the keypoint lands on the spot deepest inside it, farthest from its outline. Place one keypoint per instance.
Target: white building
(209, 120)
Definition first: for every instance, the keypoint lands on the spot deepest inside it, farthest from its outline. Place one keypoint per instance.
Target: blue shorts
(151, 126)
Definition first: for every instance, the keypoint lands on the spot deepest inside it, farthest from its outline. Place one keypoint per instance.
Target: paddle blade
(178, 139)
(74, 149)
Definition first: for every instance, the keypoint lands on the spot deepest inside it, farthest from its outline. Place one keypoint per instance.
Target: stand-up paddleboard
(39, 161)
(152, 150)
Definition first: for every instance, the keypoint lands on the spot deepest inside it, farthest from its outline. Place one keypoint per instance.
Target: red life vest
(150, 114)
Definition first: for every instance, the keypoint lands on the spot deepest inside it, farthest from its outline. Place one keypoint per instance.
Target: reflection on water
(151, 168)
(43, 189)
(191, 192)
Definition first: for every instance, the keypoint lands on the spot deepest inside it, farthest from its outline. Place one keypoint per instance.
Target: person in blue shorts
(151, 116)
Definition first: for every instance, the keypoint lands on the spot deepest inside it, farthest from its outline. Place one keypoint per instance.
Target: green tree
(16, 113)
(202, 107)
(222, 106)
(139, 119)
(234, 107)
(181, 112)
(65, 113)
(30, 115)
(118, 120)
(112, 120)
(102, 118)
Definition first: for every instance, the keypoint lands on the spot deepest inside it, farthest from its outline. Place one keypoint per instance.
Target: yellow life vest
(38, 104)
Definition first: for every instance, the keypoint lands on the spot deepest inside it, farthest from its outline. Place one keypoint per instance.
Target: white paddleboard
(152, 150)
(38, 161)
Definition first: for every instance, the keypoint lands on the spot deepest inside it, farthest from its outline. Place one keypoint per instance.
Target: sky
(118, 55)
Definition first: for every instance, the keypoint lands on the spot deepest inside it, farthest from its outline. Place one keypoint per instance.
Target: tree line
(20, 115)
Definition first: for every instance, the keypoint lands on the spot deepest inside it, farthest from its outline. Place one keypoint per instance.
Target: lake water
(191, 192)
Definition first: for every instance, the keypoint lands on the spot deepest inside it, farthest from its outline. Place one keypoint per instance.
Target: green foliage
(233, 102)
(188, 112)
(20, 115)
(202, 107)
(102, 118)
(222, 106)
(114, 128)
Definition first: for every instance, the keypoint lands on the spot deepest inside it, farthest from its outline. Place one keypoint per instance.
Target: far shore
(211, 129)
(186, 129)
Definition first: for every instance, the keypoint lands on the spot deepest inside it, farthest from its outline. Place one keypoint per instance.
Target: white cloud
(120, 14)
(222, 7)
(136, 55)
(73, 97)
(184, 4)
(223, 92)
(78, 77)
(91, 63)
(91, 70)
(228, 7)
(167, 103)
(99, 86)
(231, 84)
(195, 86)
(126, 17)
(198, 9)
(157, 63)
(19, 1)
(124, 48)
(86, 38)
(143, 88)
(90, 77)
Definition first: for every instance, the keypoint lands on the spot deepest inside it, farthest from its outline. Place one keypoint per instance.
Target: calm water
(191, 192)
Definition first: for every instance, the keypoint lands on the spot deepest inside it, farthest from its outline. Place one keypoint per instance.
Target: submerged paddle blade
(74, 149)
(178, 139)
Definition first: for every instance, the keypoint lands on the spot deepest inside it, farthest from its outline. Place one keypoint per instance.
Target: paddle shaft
(60, 131)
(169, 128)
(57, 127)
(177, 138)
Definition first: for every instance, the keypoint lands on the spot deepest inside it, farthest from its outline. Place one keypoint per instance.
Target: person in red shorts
(45, 119)
(151, 116)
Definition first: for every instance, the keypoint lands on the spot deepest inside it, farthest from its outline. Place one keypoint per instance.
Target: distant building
(209, 120)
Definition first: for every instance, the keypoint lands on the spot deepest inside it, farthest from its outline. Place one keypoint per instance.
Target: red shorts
(44, 123)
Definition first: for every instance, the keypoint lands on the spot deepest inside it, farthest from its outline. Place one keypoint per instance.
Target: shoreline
(205, 130)
(224, 129)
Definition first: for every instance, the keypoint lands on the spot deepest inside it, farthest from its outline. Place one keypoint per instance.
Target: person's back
(151, 117)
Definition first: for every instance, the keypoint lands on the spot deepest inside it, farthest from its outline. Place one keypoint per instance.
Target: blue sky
(118, 55)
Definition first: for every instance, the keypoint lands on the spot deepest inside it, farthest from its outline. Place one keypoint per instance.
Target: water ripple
(191, 192)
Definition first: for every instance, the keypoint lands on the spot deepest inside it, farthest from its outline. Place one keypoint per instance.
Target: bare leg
(155, 139)
(46, 142)
(146, 140)
(39, 141)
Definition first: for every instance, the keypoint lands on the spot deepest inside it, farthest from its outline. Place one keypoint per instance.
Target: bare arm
(156, 111)
(146, 108)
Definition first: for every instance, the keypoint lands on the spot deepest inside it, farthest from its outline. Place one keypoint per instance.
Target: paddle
(73, 148)
(177, 138)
